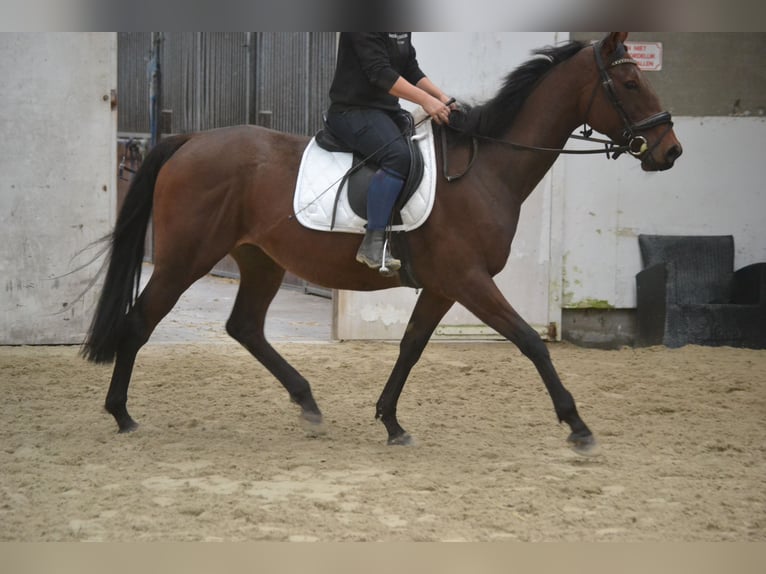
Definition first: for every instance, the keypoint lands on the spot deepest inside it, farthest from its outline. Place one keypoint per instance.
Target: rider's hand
(438, 110)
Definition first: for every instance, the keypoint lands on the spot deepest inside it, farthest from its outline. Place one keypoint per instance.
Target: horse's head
(624, 106)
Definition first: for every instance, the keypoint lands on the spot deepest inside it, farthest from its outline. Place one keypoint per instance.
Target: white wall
(57, 178)
(716, 188)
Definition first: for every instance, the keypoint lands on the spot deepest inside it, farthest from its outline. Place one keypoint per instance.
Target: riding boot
(381, 198)
(371, 252)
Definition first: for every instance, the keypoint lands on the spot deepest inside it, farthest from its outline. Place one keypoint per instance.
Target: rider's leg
(381, 197)
(375, 134)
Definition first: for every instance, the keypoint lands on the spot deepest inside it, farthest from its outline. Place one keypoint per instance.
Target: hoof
(128, 427)
(584, 445)
(313, 424)
(312, 417)
(401, 440)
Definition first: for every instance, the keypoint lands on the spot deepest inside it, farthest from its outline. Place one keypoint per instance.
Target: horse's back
(244, 143)
(233, 156)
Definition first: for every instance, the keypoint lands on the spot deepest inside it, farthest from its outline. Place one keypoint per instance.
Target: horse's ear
(613, 40)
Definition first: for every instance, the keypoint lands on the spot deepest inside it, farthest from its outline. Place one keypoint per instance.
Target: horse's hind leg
(156, 300)
(117, 395)
(260, 279)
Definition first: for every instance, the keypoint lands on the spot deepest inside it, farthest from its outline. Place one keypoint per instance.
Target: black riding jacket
(368, 65)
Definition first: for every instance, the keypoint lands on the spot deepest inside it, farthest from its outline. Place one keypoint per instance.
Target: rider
(374, 70)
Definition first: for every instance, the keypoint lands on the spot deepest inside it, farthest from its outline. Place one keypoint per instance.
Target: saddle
(331, 190)
(357, 178)
(328, 184)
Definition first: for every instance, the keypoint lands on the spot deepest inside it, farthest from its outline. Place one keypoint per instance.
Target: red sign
(647, 54)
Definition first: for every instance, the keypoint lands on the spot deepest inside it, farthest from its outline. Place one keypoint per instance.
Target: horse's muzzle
(663, 153)
(668, 157)
(672, 154)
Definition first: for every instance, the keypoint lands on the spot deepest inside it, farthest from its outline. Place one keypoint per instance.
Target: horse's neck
(546, 120)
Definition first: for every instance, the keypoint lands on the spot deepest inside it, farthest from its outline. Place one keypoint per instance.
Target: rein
(611, 149)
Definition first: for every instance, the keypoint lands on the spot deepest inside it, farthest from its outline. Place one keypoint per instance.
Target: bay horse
(230, 190)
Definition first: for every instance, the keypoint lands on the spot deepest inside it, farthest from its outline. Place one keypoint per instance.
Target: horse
(230, 190)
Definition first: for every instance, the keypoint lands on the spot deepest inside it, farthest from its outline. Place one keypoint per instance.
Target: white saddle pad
(320, 175)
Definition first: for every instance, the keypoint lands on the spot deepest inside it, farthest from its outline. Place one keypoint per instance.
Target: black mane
(492, 117)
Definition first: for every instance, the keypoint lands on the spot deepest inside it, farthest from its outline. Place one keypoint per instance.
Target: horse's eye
(631, 85)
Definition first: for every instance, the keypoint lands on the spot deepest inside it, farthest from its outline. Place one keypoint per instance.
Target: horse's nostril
(674, 153)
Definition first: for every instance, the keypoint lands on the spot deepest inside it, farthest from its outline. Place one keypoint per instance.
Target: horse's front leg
(428, 311)
(485, 300)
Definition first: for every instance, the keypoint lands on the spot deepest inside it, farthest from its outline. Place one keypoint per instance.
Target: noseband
(637, 144)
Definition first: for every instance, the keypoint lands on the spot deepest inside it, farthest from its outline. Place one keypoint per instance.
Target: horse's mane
(492, 117)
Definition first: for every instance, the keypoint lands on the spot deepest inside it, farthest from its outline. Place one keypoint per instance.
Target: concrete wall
(715, 188)
(57, 182)
(707, 73)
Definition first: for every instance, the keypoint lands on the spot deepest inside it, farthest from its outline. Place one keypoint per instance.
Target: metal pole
(155, 89)
(307, 84)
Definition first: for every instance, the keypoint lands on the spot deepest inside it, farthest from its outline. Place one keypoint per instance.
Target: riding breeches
(375, 134)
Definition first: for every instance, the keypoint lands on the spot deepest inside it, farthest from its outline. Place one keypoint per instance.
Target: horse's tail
(126, 255)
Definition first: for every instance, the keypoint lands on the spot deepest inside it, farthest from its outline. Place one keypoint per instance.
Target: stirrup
(389, 265)
(395, 263)
(374, 252)
(383, 269)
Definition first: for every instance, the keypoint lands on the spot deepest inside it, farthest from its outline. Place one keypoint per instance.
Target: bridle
(637, 144)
